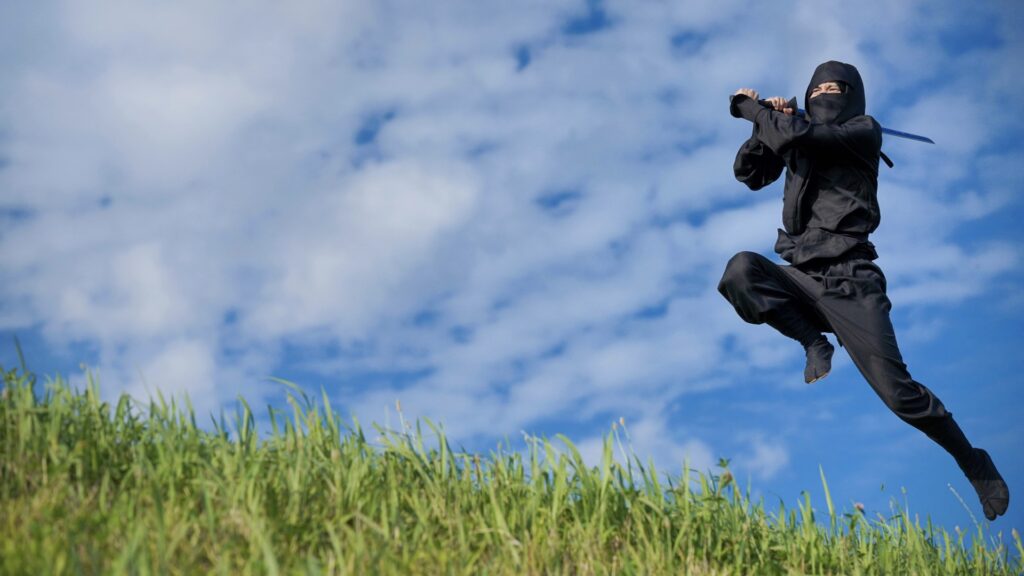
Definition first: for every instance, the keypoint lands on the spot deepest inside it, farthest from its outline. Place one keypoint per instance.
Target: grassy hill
(89, 487)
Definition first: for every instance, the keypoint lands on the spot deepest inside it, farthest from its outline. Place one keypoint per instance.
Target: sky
(512, 217)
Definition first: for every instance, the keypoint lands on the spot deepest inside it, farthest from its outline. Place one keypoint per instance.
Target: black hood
(836, 108)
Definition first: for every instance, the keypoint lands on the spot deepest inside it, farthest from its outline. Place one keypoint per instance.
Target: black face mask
(827, 108)
(835, 108)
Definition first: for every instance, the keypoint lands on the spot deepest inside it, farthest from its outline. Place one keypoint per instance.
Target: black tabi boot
(975, 463)
(988, 483)
(819, 360)
(816, 345)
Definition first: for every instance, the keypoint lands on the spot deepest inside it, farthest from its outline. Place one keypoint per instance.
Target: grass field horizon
(130, 487)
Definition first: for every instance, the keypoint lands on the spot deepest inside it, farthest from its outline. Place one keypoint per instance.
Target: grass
(91, 487)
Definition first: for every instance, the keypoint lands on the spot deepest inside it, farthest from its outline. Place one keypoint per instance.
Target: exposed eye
(829, 88)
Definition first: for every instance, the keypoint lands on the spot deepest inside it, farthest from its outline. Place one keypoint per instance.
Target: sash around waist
(822, 246)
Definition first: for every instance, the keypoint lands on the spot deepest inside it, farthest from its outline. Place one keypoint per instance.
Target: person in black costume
(831, 284)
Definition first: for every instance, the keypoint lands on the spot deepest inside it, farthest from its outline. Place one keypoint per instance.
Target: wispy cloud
(511, 216)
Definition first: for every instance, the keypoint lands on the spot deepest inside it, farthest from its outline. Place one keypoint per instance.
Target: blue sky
(510, 216)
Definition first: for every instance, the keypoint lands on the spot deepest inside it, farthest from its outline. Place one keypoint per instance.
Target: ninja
(831, 283)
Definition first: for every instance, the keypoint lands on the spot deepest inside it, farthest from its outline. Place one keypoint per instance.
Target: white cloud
(139, 298)
(651, 439)
(957, 277)
(360, 245)
(184, 366)
(765, 457)
(165, 126)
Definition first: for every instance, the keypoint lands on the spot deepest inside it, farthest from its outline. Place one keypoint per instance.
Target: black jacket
(830, 202)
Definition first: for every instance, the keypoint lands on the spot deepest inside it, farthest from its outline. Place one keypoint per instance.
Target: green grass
(90, 487)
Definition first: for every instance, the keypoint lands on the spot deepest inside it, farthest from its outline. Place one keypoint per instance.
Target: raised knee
(744, 259)
(737, 270)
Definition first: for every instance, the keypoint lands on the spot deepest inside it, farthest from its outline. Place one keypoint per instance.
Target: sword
(792, 104)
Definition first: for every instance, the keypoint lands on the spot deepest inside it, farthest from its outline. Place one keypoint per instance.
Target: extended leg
(864, 326)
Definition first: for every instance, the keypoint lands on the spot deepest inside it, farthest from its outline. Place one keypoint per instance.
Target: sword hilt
(791, 103)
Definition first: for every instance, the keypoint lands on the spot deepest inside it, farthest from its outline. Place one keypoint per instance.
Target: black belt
(862, 251)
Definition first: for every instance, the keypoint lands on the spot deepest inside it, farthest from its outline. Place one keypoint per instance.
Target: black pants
(847, 297)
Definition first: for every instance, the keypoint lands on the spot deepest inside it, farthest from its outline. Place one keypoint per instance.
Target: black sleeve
(776, 130)
(859, 137)
(756, 165)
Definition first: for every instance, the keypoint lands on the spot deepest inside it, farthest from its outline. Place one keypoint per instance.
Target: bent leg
(762, 292)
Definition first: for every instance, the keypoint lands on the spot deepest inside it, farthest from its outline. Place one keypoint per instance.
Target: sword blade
(907, 135)
(898, 133)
